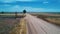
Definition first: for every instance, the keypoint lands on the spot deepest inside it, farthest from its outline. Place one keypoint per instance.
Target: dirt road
(39, 26)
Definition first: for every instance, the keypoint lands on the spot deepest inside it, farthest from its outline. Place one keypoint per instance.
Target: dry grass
(7, 25)
(20, 28)
(17, 26)
(54, 20)
(23, 26)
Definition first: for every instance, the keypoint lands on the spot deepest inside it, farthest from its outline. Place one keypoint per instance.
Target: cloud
(15, 8)
(33, 9)
(28, 9)
(19, 8)
(6, 5)
(15, 0)
(45, 2)
(7, 0)
(25, 0)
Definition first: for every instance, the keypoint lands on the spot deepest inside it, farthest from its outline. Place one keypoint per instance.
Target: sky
(30, 5)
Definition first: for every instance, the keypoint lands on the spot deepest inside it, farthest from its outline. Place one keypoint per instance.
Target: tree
(2, 12)
(24, 11)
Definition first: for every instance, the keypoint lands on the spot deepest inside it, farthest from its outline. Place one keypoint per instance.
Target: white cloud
(6, 5)
(28, 9)
(7, 0)
(15, 8)
(31, 9)
(45, 2)
(14, 0)
(24, 0)
(21, 8)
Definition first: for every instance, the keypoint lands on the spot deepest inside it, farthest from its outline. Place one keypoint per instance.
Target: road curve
(39, 26)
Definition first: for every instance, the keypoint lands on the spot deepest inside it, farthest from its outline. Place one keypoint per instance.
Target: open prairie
(16, 24)
(10, 23)
(53, 17)
(7, 24)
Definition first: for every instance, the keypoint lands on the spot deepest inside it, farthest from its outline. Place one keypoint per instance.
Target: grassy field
(52, 18)
(12, 15)
(11, 24)
(20, 28)
(7, 24)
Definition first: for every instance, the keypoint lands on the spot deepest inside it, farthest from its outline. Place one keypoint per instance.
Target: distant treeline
(45, 12)
(53, 12)
(29, 12)
(10, 12)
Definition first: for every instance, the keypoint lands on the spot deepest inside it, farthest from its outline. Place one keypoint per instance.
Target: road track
(39, 26)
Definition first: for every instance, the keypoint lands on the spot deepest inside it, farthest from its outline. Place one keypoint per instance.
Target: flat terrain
(12, 24)
(52, 18)
(32, 23)
(7, 24)
(39, 26)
